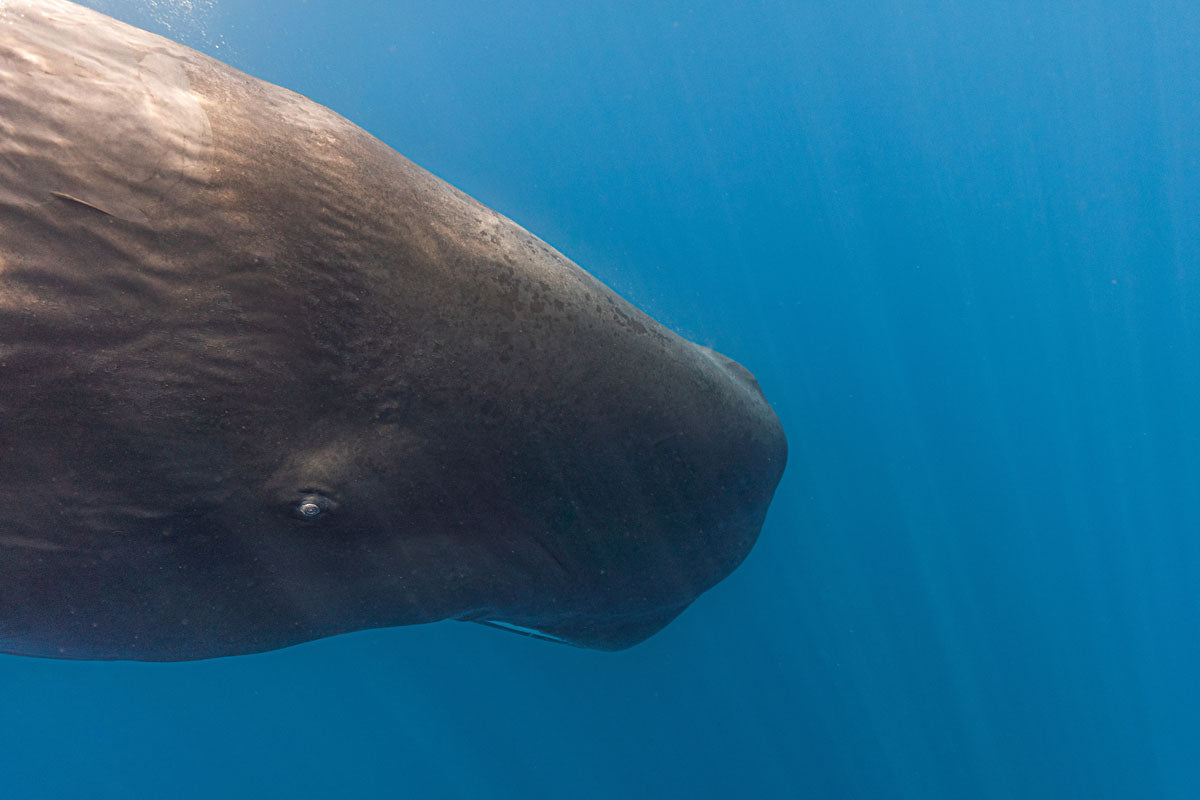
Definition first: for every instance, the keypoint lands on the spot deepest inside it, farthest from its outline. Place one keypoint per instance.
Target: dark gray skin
(263, 380)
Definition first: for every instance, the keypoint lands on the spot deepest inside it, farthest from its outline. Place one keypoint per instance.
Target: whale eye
(313, 505)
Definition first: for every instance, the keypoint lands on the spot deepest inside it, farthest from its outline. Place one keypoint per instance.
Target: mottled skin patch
(264, 380)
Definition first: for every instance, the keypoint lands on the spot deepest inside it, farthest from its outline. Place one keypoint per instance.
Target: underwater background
(956, 243)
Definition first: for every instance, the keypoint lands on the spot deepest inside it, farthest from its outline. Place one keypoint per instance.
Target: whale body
(264, 380)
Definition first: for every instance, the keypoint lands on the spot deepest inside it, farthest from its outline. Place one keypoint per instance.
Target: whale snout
(679, 483)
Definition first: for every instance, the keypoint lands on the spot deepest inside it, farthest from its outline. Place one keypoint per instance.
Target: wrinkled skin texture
(263, 380)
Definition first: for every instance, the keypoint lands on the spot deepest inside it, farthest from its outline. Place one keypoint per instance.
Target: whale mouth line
(523, 631)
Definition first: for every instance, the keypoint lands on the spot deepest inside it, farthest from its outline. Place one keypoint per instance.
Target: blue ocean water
(956, 243)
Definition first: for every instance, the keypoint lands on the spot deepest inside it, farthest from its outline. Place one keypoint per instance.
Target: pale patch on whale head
(158, 140)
